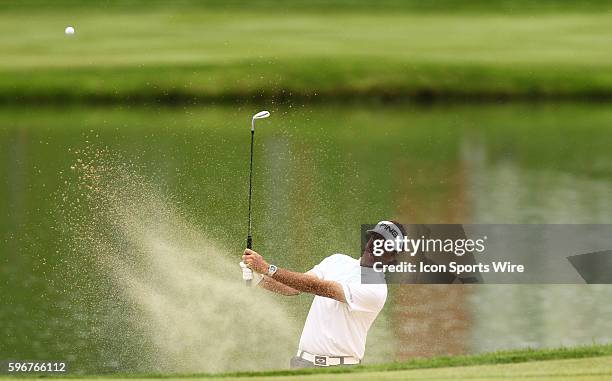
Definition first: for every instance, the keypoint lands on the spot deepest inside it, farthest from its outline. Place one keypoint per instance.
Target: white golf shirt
(335, 328)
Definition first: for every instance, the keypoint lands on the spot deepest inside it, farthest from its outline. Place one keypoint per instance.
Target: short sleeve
(365, 297)
(322, 268)
(319, 270)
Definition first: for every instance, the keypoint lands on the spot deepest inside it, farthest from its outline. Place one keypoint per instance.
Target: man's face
(387, 257)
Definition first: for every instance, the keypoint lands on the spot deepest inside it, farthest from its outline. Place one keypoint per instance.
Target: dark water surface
(320, 172)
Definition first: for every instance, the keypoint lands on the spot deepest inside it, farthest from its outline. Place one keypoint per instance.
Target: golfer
(343, 309)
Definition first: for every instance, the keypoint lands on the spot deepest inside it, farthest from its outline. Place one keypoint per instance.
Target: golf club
(259, 115)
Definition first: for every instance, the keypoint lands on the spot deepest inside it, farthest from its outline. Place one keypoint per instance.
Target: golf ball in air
(69, 30)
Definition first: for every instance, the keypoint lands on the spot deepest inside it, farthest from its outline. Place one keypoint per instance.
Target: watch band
(272, 270)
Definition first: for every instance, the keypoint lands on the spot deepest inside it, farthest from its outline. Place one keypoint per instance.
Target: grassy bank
(187, 53)
(496, 358)
(593, 369)
(580, 363)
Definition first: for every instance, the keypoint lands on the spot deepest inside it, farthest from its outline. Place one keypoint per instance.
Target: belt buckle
(320, 360)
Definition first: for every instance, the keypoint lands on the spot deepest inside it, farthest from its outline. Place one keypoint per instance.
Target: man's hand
(248, 274)
(255, 262)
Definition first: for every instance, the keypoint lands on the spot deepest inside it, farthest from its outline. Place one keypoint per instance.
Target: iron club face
(259, 115)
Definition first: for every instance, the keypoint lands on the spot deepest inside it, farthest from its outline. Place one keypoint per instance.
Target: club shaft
(249, 237)
(249, 242)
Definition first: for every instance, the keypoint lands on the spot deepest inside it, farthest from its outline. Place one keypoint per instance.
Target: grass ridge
(500, 357)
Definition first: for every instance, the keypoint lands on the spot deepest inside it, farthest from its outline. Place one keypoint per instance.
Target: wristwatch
(272, 270)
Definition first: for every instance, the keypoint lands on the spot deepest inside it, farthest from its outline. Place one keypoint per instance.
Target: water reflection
(320, 173)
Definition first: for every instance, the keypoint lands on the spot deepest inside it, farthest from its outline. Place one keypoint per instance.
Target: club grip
(248, 283)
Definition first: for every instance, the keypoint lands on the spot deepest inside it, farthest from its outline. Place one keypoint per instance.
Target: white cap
(388, 230)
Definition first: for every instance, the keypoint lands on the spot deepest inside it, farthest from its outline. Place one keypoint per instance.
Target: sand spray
(181, 291)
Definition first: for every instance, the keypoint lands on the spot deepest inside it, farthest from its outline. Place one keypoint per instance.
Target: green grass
(580, 363)
(470, 6)
(188, 53)
(582, 369)
(495, 358)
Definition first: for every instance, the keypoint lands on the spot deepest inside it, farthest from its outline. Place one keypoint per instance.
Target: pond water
(110, 215)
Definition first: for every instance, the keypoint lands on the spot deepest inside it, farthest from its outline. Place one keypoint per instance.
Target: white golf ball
(69, 30)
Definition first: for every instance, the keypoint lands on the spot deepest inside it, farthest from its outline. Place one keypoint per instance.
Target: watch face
(271, 270)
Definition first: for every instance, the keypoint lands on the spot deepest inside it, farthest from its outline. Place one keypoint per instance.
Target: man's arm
(276, 286)
(293, 280)
(311, 284)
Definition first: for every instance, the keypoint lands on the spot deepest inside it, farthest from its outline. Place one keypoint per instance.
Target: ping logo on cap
(391, 229)
(388, 230)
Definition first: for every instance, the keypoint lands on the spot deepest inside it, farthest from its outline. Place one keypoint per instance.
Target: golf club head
(259, 115)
